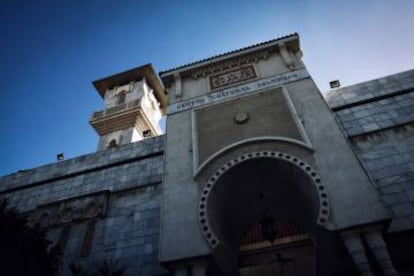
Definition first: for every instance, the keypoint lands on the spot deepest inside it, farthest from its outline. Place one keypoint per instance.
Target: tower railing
(116, 109)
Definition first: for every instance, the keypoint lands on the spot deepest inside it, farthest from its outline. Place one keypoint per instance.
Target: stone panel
(99, 207)
(377, 115)
(391, 165)
(379, 119)
(265, 114)
(128, 234)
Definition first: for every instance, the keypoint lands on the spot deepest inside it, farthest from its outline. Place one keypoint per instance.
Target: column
(353, 243)
(378, 248)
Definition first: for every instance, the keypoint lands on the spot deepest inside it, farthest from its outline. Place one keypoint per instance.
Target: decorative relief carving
(46, 218)
(92, 210)
(85, 247)
(70, 210)
(64, 236)
(232, 77)
(241, 118)
(228, 65)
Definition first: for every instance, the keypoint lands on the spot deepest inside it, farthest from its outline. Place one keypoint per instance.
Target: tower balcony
(123, 116)
(113, 110)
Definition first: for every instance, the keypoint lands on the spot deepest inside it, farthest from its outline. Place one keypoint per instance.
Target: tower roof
(135, 74)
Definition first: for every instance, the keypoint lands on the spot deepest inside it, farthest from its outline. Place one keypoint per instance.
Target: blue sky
(51, 51)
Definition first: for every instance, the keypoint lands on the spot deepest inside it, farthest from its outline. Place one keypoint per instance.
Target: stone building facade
(99, 207)
(257, 175)
(378, 118)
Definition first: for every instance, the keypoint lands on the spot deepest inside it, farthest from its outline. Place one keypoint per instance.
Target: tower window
(121, 97)
(112, 144)
(146, 133)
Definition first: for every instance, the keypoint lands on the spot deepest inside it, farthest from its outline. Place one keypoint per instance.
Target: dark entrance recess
(264, 213)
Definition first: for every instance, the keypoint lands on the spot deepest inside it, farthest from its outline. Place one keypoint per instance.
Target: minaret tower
(135, 100)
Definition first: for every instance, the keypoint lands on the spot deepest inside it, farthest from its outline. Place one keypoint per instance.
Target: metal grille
(283, 229)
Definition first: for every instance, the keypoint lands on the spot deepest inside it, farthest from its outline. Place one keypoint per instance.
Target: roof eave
(146, 71)
(185, 68)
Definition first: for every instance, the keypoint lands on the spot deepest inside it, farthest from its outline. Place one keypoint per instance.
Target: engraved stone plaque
(232, 77)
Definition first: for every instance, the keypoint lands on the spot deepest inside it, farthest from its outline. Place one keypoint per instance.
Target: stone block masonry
(388, 156)
(100, 207)
(378, 118)
(377, 115)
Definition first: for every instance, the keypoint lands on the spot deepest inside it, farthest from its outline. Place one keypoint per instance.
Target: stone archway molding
(323, 214)
(295, 142)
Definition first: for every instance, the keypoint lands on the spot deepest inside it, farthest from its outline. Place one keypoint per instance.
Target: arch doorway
(264, 190)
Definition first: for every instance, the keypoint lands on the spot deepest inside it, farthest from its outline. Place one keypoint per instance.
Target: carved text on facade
(232, 77)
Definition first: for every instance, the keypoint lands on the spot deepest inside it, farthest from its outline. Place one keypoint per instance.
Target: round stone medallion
(241, 118)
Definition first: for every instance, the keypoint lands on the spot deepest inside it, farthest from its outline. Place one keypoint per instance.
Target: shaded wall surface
(101, 207)
(378, 118)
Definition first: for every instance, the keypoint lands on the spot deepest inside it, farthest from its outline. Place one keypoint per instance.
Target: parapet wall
(103, 206)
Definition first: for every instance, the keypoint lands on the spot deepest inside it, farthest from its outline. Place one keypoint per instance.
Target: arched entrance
(256, 187)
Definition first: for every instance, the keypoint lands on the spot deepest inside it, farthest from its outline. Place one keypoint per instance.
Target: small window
(146, 133)
(121, 97)
(112, 144)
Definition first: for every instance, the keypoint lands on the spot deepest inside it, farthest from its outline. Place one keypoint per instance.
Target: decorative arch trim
(253, 140)
(323, 214)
